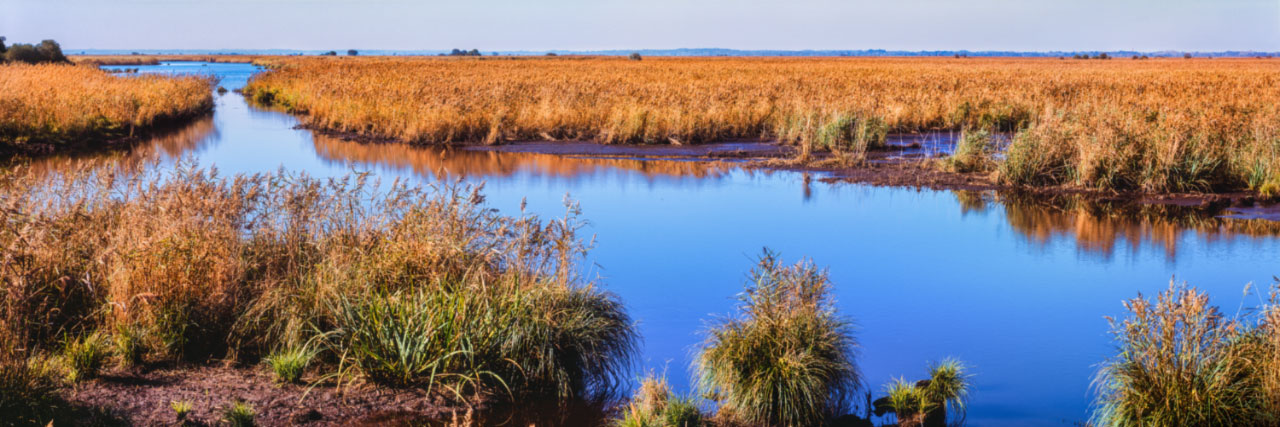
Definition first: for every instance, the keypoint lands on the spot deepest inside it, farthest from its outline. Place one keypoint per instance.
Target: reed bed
(64, 105)
(1181, 361)
(1151, 126)
(342, 279)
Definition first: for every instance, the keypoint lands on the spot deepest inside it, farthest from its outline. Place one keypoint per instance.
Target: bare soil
(143, 397)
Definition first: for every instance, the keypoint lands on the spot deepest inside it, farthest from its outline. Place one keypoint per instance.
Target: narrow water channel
(1017, 290)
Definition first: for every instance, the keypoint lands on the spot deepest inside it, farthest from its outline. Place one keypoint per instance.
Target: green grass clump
(289, 364)
(128, 345)
(181, 410)
(655, 406)
(526, 338)
(851, 133)
(973, 153)
(1182, 362)
(239, 414)
(929, 401)
(788, 358)
(85, 356)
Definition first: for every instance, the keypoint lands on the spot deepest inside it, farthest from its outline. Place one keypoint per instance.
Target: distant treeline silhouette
(46, 51)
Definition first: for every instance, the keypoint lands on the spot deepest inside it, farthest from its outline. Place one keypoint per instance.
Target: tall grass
(787, 358)
(1152, 126)
(379, 275)
(59, 105)
(1182, 362)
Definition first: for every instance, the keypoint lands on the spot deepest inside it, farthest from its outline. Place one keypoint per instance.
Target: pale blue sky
(1024, 25)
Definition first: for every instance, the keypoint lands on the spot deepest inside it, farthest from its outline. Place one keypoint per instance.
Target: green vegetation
(847, 136)
(181, 410)
(654, 405)
(239, 414)
(85, 356)
(787, 358)
(974, 153)
(289, 364)
(927, 402)
(47, 51)
(1180, 361)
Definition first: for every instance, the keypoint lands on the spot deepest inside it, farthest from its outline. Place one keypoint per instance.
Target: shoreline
(885, 167)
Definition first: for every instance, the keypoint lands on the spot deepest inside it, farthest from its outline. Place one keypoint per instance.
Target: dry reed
(64, 105)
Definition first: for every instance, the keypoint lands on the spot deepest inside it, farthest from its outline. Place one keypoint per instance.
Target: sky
(509, 25)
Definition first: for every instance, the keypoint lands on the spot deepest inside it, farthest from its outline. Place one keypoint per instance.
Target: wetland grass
(1154, 126)
(787, 358)
(1181, 361)
(53, 106)
(196, 266)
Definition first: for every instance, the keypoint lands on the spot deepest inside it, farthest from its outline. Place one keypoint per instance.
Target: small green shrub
(788, 358)
(128, 345)
(84, 356)
(181, 409)
(239, 414)
(973, 153)
(288, 365)
(907, 402)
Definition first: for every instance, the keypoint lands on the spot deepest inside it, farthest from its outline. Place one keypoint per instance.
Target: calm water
(1017, 291)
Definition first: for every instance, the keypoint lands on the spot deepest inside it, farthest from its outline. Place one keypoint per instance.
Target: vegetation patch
(787, 358)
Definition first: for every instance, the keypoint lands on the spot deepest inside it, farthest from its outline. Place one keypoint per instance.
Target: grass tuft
(239, 414)
(788, 357)
(85, 356)
(290, 364)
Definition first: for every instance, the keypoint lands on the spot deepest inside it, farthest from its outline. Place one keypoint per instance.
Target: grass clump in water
(928, 402)
(1182, 362)
(787, 358)
(973, 153)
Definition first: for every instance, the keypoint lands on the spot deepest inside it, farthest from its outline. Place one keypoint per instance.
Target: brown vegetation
(45, 107)
(1151, 126)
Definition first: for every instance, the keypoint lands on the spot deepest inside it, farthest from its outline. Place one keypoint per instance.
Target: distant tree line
(47, 51)
(460, 52)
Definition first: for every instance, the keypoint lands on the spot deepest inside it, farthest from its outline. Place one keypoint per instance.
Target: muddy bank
(143, 397)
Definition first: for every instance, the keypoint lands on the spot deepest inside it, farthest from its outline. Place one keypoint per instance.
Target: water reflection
(1098, 228)
(164, 147)
(436, 162)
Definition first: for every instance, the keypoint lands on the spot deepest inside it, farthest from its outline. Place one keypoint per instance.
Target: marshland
(638, 240)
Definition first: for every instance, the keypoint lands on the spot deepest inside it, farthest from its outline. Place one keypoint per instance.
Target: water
(1017, 290)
